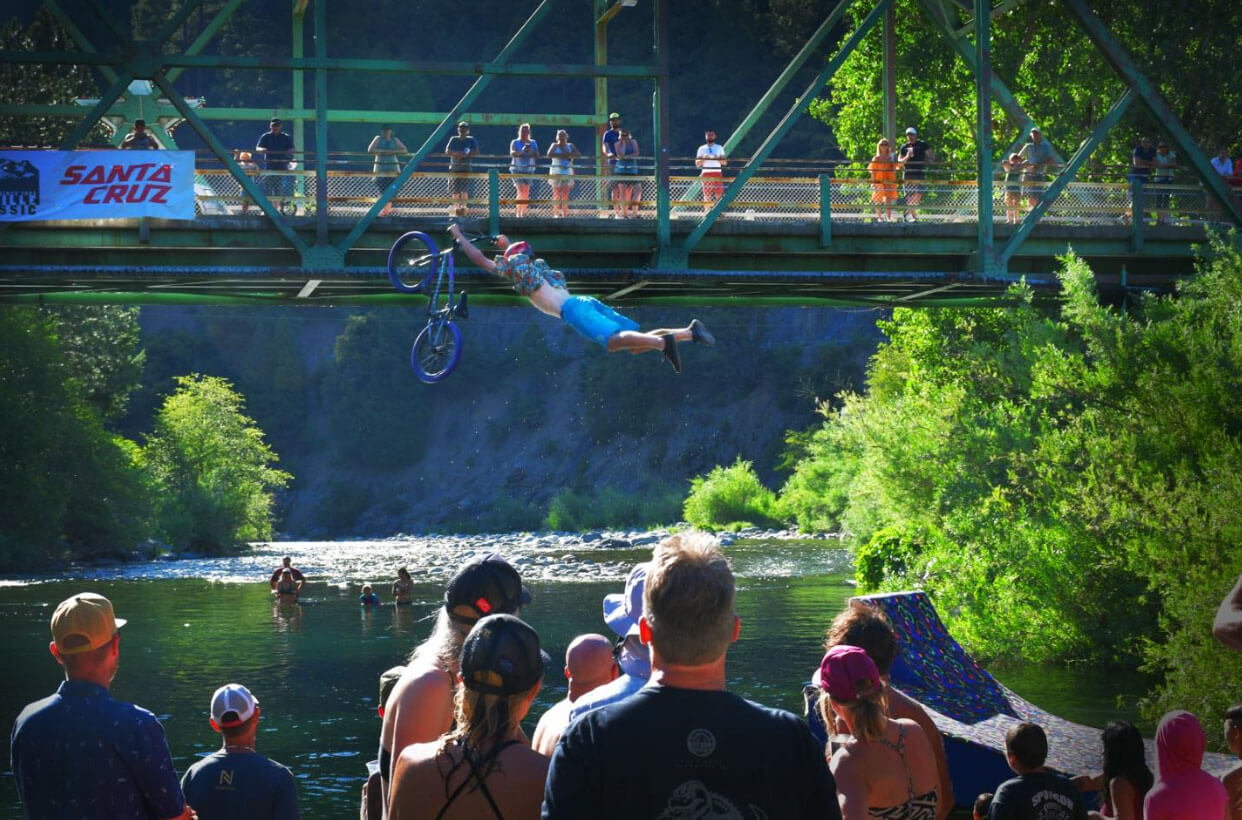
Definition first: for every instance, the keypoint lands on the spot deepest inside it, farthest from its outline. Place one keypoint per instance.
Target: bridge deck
(242, 256)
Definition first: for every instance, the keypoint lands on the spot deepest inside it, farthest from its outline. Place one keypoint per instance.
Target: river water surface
(197, 624)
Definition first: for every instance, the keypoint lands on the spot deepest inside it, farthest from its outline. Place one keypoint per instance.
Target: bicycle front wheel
(412, 261)
(436, 351)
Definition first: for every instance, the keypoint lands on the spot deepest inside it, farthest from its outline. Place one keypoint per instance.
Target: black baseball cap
(501, 656)
(485, 585)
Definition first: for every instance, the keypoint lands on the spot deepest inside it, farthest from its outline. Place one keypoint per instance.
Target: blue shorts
(593, 319)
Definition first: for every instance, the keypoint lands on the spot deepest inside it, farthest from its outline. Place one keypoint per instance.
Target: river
(199, 623)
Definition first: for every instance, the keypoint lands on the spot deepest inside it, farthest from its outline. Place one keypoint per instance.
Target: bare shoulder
(1233, 779)
(904, 707)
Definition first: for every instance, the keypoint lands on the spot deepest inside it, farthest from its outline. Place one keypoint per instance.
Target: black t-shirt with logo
(671, 753)
(1037, 796)
(915, 156)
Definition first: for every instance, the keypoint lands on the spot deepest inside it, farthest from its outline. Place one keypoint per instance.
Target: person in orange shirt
(883, 170)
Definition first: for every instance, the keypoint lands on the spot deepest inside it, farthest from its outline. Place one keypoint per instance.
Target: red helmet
(517, 247)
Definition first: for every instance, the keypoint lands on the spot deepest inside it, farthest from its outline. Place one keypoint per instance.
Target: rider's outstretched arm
(475, 255)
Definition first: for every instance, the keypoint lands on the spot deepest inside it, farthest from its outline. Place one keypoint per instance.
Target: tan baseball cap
(84, 622)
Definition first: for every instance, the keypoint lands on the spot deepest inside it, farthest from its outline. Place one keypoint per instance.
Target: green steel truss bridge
(780, 234)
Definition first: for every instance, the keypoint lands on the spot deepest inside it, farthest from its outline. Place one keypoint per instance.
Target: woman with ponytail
(484, 767)
(885, 769)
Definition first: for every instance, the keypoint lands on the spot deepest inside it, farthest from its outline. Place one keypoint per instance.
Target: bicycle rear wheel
(436, 351)
(412, 261)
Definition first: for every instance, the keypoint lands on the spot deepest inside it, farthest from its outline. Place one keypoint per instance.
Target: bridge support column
(986, 263)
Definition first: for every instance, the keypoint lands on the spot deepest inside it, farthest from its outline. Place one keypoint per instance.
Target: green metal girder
(226, 158)
(1000, 92)
(1121, 63)
(1067, 175)
(77, 36)
(207, 34)
(808, 50)
(277, 63)
(785, 125)
(437, 135)
(96, 113)
(176, 20)
(986, 262)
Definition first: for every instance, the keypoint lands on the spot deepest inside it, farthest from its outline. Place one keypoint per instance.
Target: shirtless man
(589, 664)
(545, 288)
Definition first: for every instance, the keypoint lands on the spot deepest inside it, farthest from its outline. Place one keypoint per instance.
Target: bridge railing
(782, 194)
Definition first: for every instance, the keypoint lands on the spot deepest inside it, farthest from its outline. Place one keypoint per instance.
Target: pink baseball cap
(517, 247)
(847, 673)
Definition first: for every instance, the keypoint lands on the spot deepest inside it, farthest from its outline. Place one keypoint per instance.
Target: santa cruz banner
(96, 184)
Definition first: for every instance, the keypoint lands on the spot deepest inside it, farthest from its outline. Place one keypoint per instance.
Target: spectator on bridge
(883, 169)
(608, 148)
(523, 156)
(914, 156)
(1142, 160)
(250, 168)
(386, 149)
(1039, 158)
(140, 138)
(1013, 188)
(545, 288)
(237, 781)
(1222, 164)
(561, 172)
(459, 150)
(711, 159)
(277, 149)
(629, 191)
(1162, 178)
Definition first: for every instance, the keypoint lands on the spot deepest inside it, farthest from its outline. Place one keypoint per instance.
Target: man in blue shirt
(276, 148)
(608, 146)
(79, 753)
(236, 782)
(459, 151)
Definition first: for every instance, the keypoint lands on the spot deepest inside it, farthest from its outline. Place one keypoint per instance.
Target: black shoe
(700, 333)
(670, 352)
(461, 311)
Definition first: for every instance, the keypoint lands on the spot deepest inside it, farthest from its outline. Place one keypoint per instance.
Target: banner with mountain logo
(96, 185)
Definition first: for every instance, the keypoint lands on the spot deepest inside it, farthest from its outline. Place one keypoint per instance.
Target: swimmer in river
(368, 598)
(545, 288)
(286, 565)
(287, 589)
(403, 588)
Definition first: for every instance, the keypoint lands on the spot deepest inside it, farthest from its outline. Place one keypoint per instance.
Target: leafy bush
(577, 510)
(730, 498)
(1065, 484)
(211, 467)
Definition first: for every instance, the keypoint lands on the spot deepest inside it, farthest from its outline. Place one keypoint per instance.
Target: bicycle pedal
(461, 311)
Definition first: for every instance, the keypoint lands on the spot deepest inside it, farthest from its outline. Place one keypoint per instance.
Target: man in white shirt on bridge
(711, 160)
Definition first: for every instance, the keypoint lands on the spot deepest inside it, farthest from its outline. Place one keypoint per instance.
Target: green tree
(1065, 483)
(71, 488)
(1056, 74)
(730, 498)
(101, 348)
(211, 467)
(42, 84)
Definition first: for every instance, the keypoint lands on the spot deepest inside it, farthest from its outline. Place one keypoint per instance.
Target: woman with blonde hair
(883, 169)
(885, 769)
(561, 172)
(483, 767)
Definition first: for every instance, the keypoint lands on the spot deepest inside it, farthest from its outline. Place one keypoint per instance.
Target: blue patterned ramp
(974, 710)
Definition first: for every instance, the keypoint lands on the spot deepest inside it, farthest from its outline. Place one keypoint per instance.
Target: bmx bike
(416, 265)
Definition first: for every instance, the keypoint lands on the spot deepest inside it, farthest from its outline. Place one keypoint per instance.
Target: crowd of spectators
(648, 727)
